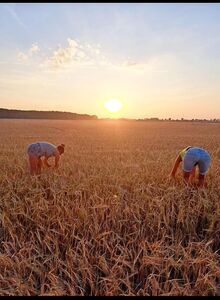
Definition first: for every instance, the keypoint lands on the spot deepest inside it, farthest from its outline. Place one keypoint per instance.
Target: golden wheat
(108, 222)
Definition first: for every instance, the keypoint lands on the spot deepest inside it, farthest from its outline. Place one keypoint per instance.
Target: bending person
(192, 157)
(44, 150)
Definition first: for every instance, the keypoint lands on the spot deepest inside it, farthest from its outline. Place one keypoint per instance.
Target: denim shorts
(34, 149)
(196, 156)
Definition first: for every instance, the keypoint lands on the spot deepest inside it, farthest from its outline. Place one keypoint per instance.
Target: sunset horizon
(111, 117)
(110, 149)
(155, 59)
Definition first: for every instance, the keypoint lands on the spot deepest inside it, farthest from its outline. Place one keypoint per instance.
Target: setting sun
(113, 105)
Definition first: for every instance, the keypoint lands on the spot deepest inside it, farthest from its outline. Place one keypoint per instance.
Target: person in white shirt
(44, 150)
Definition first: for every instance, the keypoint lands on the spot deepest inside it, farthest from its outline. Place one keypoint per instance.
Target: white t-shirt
(47, 149)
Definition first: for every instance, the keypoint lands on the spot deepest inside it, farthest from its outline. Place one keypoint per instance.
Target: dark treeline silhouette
(164, 120)
(60, 115)
(180, 120)
(34, 114)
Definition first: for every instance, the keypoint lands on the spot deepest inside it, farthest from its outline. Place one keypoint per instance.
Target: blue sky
(158, 59)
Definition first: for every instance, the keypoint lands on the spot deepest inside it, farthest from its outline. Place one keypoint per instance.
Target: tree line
(34, 114)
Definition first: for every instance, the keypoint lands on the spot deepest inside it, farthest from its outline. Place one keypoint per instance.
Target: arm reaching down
(57, 158)
(176, 165)
(46, 162)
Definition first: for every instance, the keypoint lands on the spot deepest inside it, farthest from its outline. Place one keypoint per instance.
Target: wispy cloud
(16, 17)
(34, 49)
(74, 54)
(64, 56)
(153, 64)
(24, 56)
(131, 64)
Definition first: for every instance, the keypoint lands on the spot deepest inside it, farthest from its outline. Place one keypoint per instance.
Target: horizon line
(113, 118)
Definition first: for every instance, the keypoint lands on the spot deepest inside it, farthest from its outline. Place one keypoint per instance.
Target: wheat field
(108, 221)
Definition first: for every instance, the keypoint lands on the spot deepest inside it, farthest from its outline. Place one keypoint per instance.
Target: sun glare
(113, 105)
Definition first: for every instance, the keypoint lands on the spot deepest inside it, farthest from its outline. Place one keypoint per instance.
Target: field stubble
(108, 222)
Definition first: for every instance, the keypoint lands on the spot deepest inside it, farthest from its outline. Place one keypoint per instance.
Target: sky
(158, 60)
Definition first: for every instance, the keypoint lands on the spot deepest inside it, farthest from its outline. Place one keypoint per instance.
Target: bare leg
(193, 175)
(186, 177)
(201, 180)
(39, 166)
(33, 164)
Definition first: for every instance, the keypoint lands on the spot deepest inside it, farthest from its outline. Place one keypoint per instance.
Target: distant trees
(181, 120)
(59, 115)
(32, 114)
